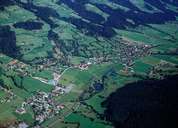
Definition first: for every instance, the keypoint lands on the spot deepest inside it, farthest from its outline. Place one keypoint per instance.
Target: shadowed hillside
(144, 104)
(7, 41)
(118, 18)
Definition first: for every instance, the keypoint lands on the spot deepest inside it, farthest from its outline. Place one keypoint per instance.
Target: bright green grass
(151, 60)
(14, 14)
(34, 85)
(27, 117)
(44, 74)
(7, 81)
(96, 103)
(2, 93)
(77, 60)
(83, 78)
(72, 96)
(21, 93)
(84, 122)
(139, 66)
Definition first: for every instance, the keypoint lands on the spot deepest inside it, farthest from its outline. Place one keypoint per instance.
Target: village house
(84, 66)
(20, 111)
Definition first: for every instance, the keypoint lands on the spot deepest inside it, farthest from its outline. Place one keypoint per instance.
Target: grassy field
(33, 85)
(47, 74)
(85, 122)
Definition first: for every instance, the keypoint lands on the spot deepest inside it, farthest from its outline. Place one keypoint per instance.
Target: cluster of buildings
(60, 89)
(83, 66)
(129, 51)
(56, 77)
(44, 63)
(57, 91)
(20, 67)
(162, 69)
(44, 106)
(18, 124)
(22, 125)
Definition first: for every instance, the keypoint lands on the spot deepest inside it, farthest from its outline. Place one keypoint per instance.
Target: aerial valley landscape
(88, 64)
